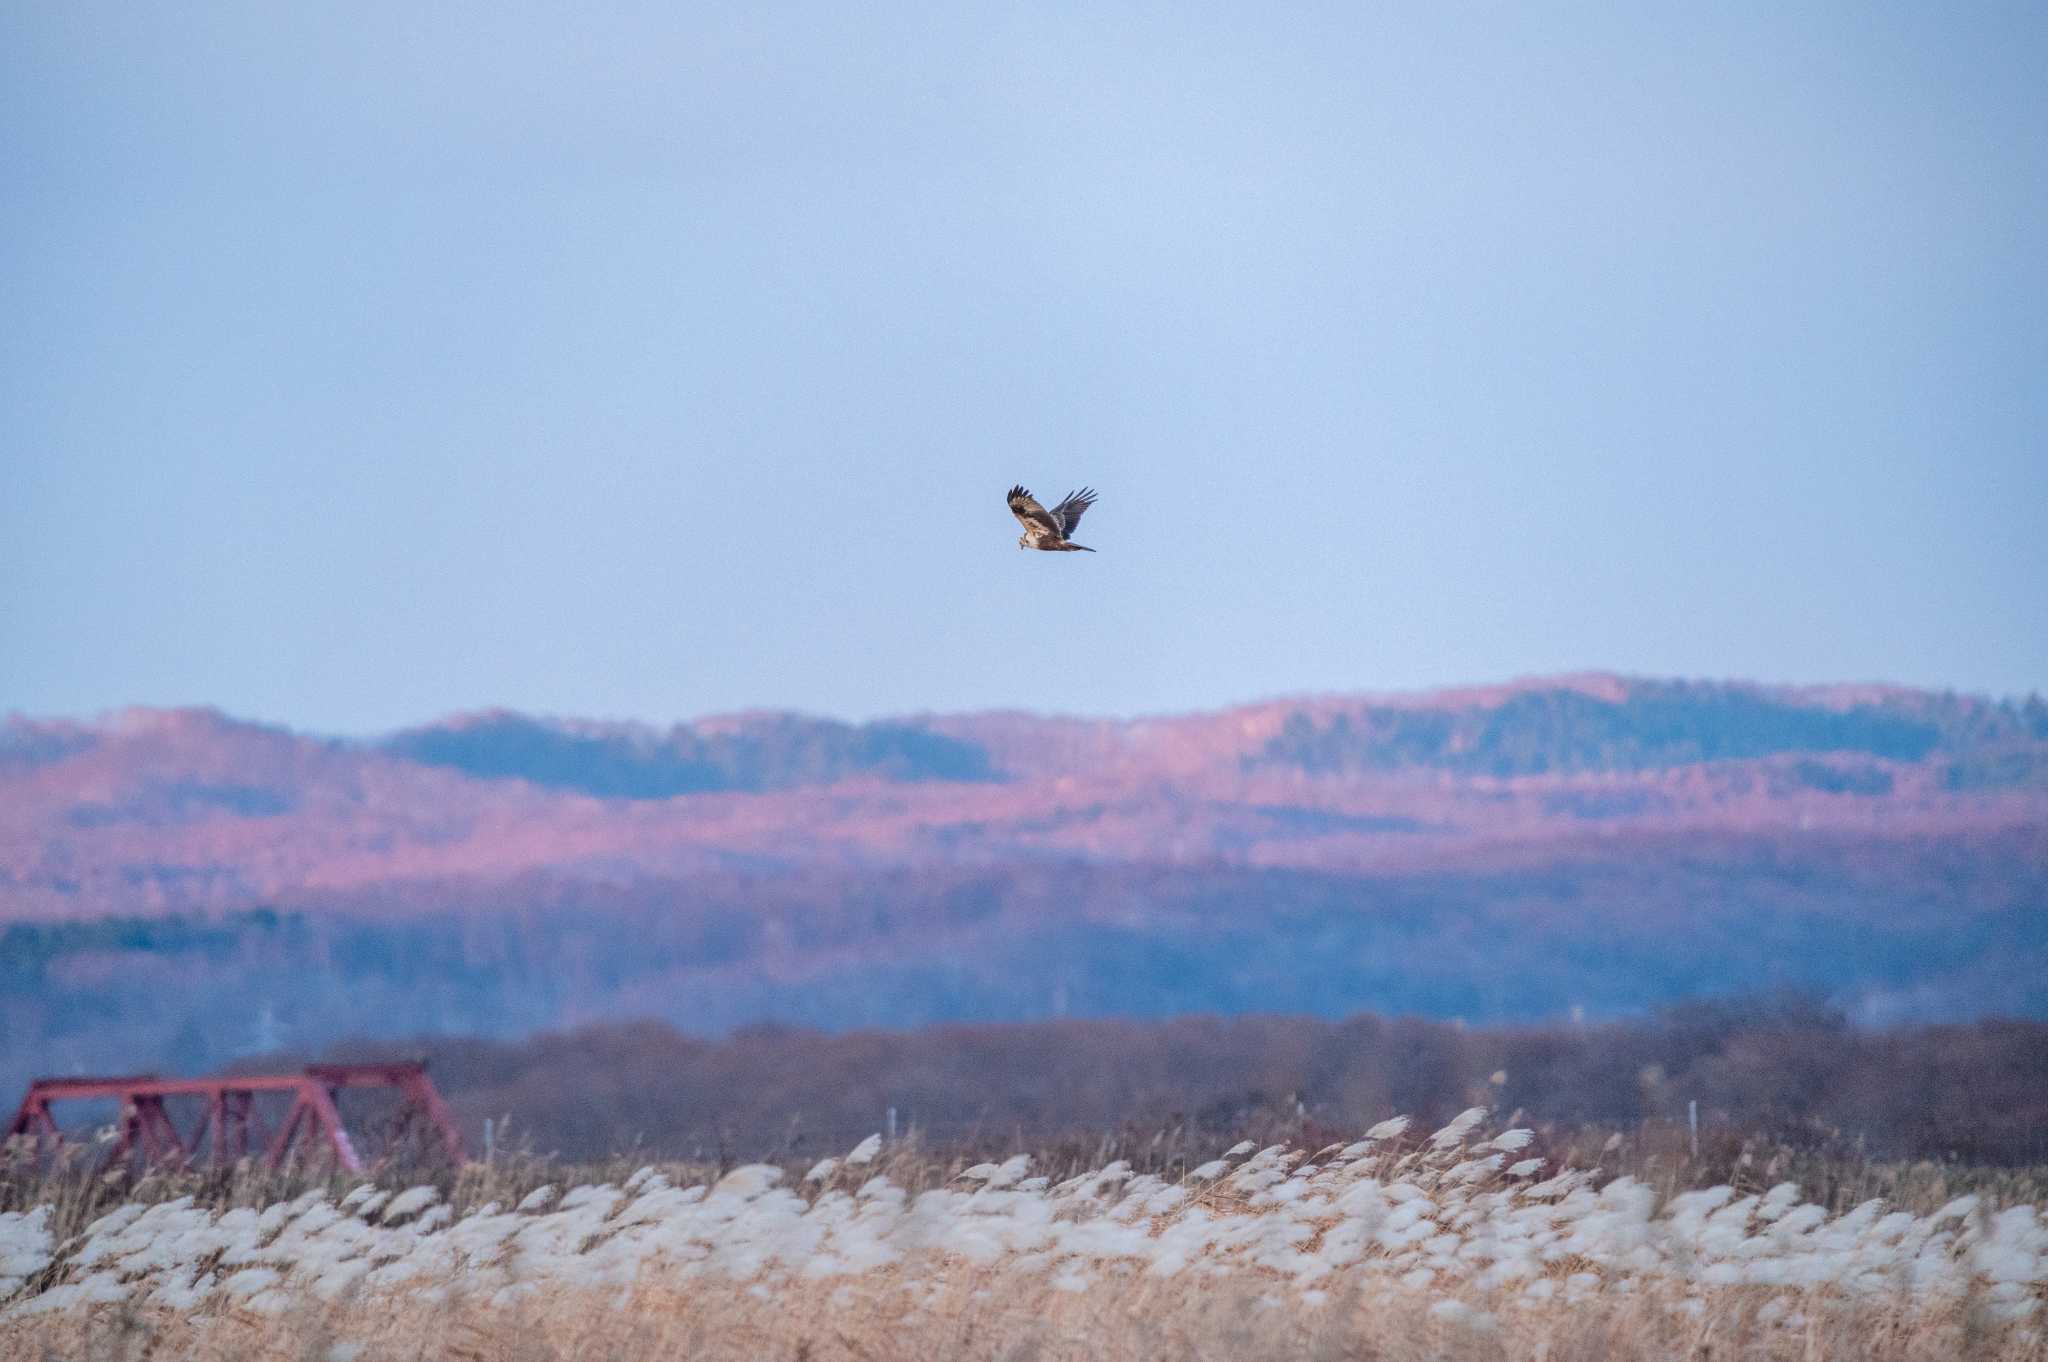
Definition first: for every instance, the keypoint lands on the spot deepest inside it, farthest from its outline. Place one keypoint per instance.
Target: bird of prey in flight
(1048, 530)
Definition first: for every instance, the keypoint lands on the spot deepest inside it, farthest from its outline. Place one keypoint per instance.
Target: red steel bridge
(235, 1119)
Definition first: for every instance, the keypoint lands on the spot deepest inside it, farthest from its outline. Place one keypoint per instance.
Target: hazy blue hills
(769, 752)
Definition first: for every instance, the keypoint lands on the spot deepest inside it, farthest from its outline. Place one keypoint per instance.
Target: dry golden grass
(959, 1313)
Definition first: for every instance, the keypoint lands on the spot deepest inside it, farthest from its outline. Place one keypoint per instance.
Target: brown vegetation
(968, 1314)
(1785, 1071)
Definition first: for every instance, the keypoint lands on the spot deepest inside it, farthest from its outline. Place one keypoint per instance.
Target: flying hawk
(1048, 530)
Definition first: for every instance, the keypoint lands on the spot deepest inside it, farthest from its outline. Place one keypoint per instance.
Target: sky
(364, 363)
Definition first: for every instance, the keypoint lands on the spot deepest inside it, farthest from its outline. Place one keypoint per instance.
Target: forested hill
(1590, 843)
(151, 811)
(1590, 725)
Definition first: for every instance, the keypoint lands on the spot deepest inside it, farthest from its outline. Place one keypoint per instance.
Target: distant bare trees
(1784, 1067)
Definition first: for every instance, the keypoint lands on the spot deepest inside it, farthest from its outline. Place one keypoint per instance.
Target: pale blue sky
(363, 362)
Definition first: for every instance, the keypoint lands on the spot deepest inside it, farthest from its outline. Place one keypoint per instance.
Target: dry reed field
(1456, 1244)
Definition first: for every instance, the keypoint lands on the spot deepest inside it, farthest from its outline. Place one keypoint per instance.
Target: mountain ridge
(1606, 685)
(190, 808)
(1503, 853)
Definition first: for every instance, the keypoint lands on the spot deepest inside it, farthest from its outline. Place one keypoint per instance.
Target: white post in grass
(1692, 1122)
(892, 1125)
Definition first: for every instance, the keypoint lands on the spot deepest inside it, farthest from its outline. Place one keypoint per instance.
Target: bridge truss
(238, 1116)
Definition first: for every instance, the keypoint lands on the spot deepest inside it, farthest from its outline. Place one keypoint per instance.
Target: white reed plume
(1489, 1242)
(1461, 1125)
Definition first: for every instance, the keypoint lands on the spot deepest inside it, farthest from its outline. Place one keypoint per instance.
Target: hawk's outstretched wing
(1035, 519)
(1068, 512)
